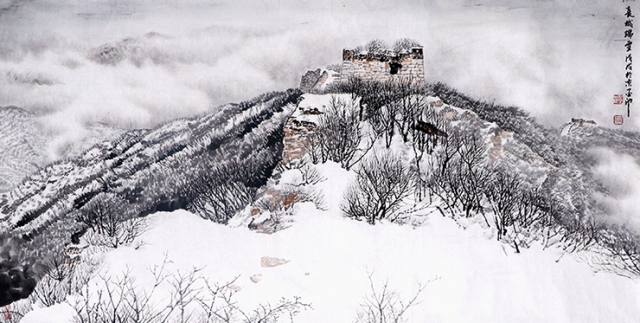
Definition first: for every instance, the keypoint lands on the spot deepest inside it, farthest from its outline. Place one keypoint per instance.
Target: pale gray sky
(555, 59)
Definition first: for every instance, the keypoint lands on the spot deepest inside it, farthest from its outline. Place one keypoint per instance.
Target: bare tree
(103, 213)
(382, 185)
(622, 250)
(192, 298)
(354, 86)
(458, 174)
(14, 312)
(383, 122)
(184, 296)
(504, 196)
(376, 46)
(339, 136)
(384, 305)
(219, 306)
(580, 233)
(531, 208)
(118, 299)
(410, 105)
(382, 108)
(372, 97)
(404, 45)
(425, 142)
(357, 88)
(475, 177)
(443, 179)
(223, 188)
(56, 284)
(112, 220)
(267, 313)
(220, 199)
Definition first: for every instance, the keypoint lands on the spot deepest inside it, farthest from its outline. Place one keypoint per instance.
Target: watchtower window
(394, 68)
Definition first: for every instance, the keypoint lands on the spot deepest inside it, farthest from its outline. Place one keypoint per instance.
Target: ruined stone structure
(383, 66)
(577, 124)
(296, 133)
(583, 122)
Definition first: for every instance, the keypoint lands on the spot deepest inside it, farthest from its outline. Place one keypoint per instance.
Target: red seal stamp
(618, 120)
(618, 98)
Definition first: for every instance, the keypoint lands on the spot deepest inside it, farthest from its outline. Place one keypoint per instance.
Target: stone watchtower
(383, 66)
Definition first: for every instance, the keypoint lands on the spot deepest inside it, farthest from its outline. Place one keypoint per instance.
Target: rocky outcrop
(15, 282)
(496, 139)
(256, 278)
(272, 262)
(313, 80)
(430, 129)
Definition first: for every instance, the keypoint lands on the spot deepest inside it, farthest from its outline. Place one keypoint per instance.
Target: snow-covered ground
(470, 277)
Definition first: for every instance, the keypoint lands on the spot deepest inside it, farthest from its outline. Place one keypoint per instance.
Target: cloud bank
(137, 63)
(555, 59)
(620, 175)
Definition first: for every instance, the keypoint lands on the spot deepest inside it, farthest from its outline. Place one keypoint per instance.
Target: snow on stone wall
(383, 67)
(296, 133)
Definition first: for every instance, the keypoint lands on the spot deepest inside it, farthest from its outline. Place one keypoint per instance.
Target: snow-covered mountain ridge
(152, 170)
(126, 163)
(234, 151)
(25, 145)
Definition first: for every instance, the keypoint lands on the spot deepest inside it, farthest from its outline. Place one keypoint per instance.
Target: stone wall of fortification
(383, 67)
(371, 66)
(296, 144)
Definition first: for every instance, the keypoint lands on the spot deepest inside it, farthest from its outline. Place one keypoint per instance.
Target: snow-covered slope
(129, 163)
(161, 169)
(22, 146)
(468, 277)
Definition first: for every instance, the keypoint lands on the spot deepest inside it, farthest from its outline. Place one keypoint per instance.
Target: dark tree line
(390, 107)
(105, 193)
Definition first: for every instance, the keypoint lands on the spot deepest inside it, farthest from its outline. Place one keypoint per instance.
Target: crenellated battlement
(383, 66)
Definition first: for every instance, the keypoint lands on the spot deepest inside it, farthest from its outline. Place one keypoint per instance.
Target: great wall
(382, 66)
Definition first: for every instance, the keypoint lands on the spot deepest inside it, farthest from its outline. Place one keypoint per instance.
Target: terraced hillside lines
(152, 167)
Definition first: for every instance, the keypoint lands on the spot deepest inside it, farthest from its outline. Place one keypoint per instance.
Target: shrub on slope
(161, 169)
